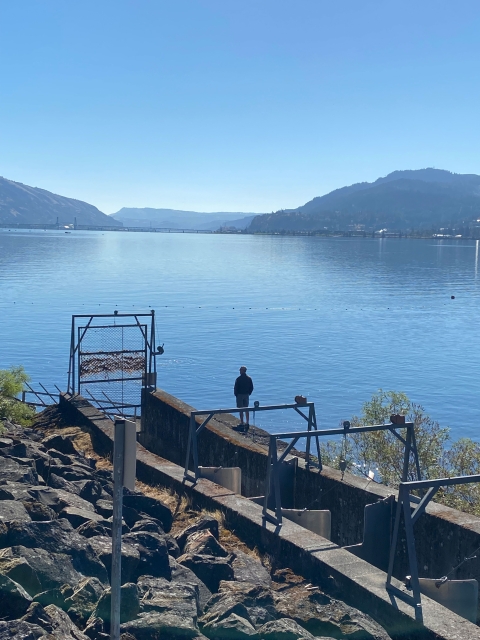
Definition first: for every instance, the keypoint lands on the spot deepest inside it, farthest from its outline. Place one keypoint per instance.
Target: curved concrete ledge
(337, 571)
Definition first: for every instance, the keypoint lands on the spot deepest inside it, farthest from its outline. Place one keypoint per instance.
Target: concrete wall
(444, 536)
(338, 572)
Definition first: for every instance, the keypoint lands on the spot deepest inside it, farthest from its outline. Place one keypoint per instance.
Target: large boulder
(166, 624)
(231, 628)
(209, 569)
(16, 472)
(183, 575)
(61, 443)
(158, 594)
(95, 528)
(151, 506)
(130, 556)
(284, 629)
(249, 569)
(38, 570)
(204, 543)
(147, 523)
(77, 516)
(153, 552)
(82, 602)
(38, 511)
(57, 536)
(54, 621)
(72, 472)
(205, 523)
(324, 616)
(19, 630)
(13, 510)
(14, 600)
(253, 602)
(129, 605)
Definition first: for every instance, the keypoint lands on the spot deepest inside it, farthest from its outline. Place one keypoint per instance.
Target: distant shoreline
(338, 234)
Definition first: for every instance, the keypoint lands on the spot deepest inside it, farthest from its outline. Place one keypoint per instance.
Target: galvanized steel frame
(409, 442)
(79, 332)
(404, 504)
(194, 431)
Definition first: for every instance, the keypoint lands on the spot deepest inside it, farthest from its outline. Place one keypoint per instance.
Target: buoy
(452, 297)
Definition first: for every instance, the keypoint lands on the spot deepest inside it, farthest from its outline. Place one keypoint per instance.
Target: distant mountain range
(21, 204)
(402, 200)
(175, 219)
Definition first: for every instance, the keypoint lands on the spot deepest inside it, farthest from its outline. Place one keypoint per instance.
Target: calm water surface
(333, 319)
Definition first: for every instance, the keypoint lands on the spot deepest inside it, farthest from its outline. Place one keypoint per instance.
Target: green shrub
(12, 383)
(381, 452)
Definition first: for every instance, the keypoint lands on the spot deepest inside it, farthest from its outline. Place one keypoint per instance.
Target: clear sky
(234, 105)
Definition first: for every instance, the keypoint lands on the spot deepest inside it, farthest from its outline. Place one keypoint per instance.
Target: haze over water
(334, 319)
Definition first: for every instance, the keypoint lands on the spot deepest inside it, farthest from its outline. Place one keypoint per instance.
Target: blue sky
(234, 105)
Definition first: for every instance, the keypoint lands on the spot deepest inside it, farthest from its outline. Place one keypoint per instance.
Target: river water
(334, 319)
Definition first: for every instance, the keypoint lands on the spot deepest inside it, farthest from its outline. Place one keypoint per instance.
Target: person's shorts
(242, 400)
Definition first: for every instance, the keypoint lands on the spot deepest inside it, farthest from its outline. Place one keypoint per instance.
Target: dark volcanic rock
(153, 553)
(154, 508)
(77, 516)
(183, 575)
(129, 605)
(90, 490)
(158, 594)
(325, 616)
(232, 628)
(93, 528)
(63, 444)
(253, 602)
(248, 569)
(55, 622)
(57, 536)
(19, 630)
(284, 629)
(204, 543)
(130, 556)
(148, 524)
(82, 602)
(209, 569)
(52, 596)
(38, 570)
(15, 472)
(208, 523)
(14, 600)
(166, 625)
(38, 511)
(95, 629)
(73, 472)
(12, 510)
(104, 508)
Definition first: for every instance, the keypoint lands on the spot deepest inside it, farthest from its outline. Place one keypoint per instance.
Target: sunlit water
(333, 319)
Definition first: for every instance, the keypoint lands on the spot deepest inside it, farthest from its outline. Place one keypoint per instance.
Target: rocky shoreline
(183, 574)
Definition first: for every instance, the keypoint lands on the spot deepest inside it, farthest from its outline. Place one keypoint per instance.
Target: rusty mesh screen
(111, 362)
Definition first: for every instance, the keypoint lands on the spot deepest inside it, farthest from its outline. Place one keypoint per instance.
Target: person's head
(243, 370)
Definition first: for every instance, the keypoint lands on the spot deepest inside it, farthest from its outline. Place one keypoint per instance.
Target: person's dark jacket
(243, 385)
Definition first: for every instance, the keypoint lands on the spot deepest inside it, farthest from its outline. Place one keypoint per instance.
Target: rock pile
(55, 562)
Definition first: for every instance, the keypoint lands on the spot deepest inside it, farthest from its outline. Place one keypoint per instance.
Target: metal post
(116, 578)
(406, 455)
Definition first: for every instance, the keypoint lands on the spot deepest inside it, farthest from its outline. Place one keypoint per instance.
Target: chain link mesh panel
(112, 362)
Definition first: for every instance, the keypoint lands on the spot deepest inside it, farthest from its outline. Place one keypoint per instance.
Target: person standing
(243, 390)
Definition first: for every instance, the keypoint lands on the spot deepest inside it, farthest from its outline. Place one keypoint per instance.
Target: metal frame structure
(81, 324)
(194, 431)
(409, 442)
(404, 503)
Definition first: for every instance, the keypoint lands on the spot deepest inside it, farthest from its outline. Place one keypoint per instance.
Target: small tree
(382, 453)
(12, 383)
